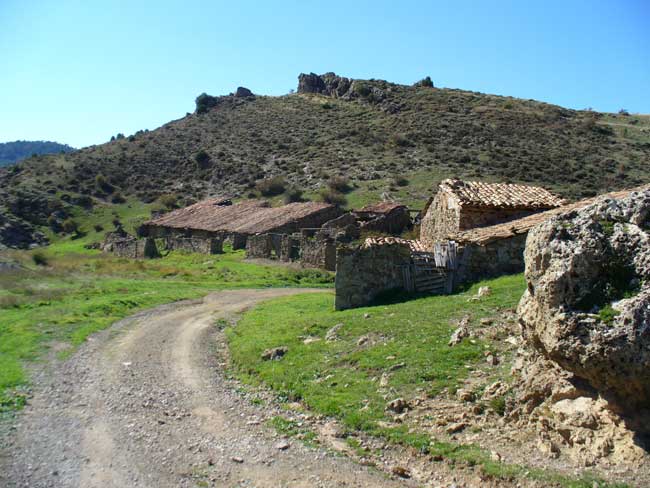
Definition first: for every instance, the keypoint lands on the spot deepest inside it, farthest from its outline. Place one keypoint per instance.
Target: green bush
(202, 159)
(70, 226)
(333, 197)
(102, 184)
(205, 102)
(39, 259)
(339, 184)
(425, 82)
(169, 200)
(293, 194)
(269, 187)
(118, 198)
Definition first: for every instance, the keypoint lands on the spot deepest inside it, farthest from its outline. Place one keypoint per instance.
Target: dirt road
(145, 404)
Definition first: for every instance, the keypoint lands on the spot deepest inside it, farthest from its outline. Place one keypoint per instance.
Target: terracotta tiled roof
(250, 217)
(414, 245)
(484, 235)
(381, 207)
(500, 195)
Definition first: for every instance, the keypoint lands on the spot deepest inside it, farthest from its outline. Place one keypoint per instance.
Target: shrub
(339, 184)
(39, 259)
(271, 186)
(293, 194)
(53, 223)
(498, 404)
(118, 198)
(333, 197)
(169, 200)
(425, 82)
(205, 102)
(70, 226)
(400, 181)
(623, 112)
(202, 159)
(98, 227)
(102, 184)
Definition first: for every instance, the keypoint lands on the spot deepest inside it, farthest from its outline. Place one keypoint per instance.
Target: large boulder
(587, 303)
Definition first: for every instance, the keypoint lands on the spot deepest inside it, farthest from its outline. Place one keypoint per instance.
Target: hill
(13, 152)
(382, 137)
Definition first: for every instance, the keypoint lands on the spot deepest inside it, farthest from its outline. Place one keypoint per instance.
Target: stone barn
(220, 219)
(384, 217)
(463, 205)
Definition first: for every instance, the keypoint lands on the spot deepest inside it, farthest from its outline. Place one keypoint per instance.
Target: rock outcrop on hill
(327, 84)
(587, 306)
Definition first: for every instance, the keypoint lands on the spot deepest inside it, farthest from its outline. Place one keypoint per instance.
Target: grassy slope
(82, 291)
(340, 378)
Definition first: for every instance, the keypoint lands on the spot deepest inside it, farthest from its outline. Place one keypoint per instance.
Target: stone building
(234, 223)
(384, 217)
(463, 205)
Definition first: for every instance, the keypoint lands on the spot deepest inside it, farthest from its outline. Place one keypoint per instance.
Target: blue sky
(80, 71)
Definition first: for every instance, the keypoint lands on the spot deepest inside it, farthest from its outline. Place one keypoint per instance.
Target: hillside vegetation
(12, 152)
(382, 137)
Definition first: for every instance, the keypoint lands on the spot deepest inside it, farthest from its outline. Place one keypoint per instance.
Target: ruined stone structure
(363, 273)
(318, 248)
(208, 245)
(463, 205)
(234, 223)
(384, 217)
(311, 247)
(127, 246)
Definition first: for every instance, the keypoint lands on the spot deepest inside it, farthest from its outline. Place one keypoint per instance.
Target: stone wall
(394, 222)
(319, 252)
(498, 257)
(363, 273)
(440, 221)
(130, 247)
(204, 245)
(259, 246)
(285, 247)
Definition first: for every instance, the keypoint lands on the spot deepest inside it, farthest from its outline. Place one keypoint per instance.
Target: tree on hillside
(205, 102)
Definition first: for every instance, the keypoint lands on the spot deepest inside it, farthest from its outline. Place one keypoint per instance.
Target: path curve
(145, 404)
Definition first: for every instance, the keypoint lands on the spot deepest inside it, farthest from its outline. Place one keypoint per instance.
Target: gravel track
(145, 404)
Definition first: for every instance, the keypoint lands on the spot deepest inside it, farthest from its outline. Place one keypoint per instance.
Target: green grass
(339, 378)
(406, 340)
(82, 291)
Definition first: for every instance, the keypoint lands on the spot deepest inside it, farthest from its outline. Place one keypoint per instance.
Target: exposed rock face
(327, 84)
(243, 92)
(587, 306)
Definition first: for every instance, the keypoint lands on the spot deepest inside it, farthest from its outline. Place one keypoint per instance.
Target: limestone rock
(243, 92)
(274, 353)
(332, 334)
(587, 303)
(461, 332)
(398, 405)
(327, 84)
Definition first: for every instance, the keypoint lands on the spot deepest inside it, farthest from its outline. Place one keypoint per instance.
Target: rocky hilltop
(370, 132)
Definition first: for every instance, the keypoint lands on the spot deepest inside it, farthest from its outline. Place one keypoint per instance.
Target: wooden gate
(432, 273)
